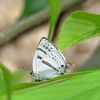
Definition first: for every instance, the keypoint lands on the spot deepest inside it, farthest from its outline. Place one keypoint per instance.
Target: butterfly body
(48, 61)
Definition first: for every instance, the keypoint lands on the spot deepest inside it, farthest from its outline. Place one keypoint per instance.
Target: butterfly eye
(62, 65)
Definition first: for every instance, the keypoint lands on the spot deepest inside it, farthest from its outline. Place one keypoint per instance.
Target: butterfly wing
(48, 61)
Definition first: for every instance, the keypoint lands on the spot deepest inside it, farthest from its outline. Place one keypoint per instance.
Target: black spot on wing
(41, 50)
(48, 64)
(39, 57)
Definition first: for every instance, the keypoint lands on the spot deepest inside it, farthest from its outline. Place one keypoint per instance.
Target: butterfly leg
(36, 77)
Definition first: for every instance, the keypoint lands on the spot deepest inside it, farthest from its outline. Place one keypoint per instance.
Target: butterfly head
(62, 69)
(65, 67)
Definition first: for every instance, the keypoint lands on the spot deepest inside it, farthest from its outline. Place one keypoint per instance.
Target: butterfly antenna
(26, 69)
(69, 64)
(23, 68)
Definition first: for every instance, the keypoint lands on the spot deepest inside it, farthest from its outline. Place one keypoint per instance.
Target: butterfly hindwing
(48, 61)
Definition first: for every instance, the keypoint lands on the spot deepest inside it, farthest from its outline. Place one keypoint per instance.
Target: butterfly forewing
(48, 61)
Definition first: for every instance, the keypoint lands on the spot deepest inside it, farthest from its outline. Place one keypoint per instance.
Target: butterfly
(48, 61)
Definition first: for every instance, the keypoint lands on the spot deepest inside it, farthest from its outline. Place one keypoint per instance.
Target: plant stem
(33, 20)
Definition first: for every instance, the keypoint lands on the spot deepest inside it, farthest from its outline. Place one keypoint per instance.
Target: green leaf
(81, 87)
(33, 6)
(7, 79)
(19, 76)
(88, 69)
(55, 8)
(2, 83)
(77, 28)
(34, 85)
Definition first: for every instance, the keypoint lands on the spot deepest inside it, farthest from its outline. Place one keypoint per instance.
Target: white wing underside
(47, 60)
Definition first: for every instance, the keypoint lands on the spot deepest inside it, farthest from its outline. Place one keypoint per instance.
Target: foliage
(78, 27)
(73, 86)
(67, 87)
(32, 6)
(54, 12)
(78, 85)
(8, 79)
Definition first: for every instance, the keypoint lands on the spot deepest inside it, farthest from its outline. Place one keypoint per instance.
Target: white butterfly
(48, 61)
